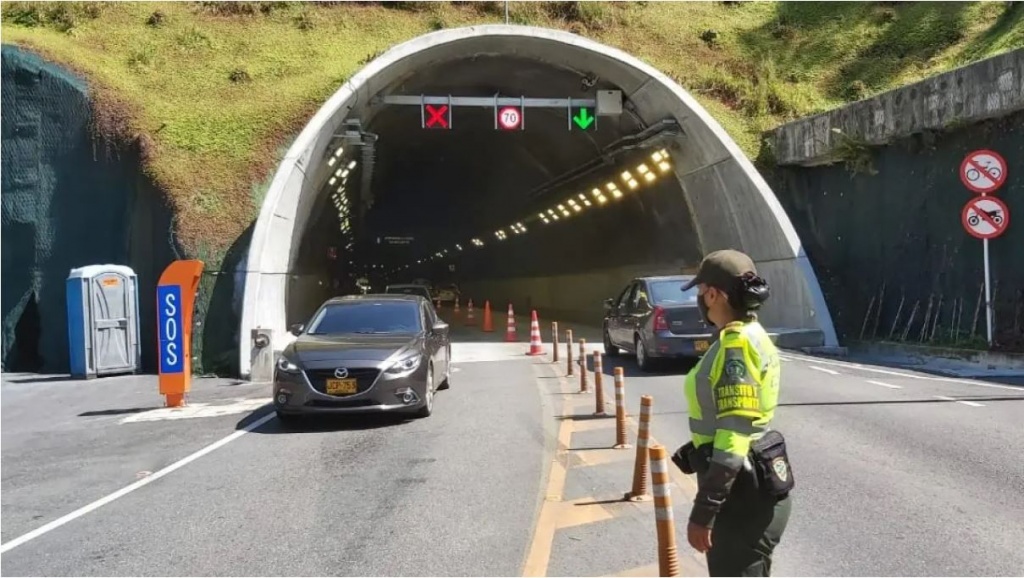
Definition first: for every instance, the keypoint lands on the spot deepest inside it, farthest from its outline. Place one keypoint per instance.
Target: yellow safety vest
(732, 392)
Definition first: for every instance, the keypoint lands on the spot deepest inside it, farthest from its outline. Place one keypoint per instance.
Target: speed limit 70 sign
(510, 118)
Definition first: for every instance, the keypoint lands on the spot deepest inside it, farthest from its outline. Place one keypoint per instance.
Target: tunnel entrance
(407, 172)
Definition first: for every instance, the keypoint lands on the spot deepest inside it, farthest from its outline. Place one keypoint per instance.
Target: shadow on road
(124, 411)
(319, 423)
(41, 378)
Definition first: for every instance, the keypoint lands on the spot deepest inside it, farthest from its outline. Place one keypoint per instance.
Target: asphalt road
(454, 494)
(898, 473)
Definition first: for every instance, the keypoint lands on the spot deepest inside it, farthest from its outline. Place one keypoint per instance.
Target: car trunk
(685, 319)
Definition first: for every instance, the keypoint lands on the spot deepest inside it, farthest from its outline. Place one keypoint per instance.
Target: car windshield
(369, 317)
(671, 292)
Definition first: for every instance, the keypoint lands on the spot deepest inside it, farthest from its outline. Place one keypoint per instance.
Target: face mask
(702, 306)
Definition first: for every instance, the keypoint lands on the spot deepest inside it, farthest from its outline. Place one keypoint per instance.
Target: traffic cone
(456, 306)
(488, 322)
(536, 345)
(470, 318)
(510, 332)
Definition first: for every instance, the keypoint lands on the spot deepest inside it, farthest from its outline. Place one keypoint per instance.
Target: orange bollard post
(668, 553)
(510, 327)
(620, 410)
(470, 317)
(598, 384)
(584, 383)
(554, 342)
(488, 322)
(641, 465)
(568, 353)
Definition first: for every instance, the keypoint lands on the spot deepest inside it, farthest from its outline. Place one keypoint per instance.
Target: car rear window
(410, 290)
(671, 293)
(370, 317)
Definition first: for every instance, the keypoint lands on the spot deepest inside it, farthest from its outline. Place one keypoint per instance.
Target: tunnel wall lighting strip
(660, 159)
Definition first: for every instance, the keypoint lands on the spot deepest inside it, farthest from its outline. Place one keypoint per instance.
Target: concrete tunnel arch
(731, 204)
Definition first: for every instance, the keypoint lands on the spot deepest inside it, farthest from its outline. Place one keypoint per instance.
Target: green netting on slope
(67, 201)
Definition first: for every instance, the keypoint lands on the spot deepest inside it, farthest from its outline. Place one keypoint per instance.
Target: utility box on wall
(103, 320)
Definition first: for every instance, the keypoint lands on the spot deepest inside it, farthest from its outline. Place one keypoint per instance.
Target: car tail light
(660, 324)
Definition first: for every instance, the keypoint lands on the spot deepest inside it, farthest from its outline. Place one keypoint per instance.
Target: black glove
(681, 458)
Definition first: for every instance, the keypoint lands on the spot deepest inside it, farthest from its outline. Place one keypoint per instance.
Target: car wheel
(609, 349)
(428, 407)
(642, 360)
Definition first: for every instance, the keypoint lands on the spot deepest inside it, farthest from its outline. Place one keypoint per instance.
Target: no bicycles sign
(983, 171)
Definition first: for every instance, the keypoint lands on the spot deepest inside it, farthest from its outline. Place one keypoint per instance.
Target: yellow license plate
(341, 386)
(700, 345)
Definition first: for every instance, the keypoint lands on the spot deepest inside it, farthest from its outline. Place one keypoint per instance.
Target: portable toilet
(103, 320)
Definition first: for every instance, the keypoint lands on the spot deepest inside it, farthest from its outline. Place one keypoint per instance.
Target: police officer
(743, 475)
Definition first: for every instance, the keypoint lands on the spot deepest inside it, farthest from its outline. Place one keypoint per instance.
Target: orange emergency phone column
(175, 298)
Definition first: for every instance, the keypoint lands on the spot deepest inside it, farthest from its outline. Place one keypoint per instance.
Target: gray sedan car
(365, 353)
(655, 318)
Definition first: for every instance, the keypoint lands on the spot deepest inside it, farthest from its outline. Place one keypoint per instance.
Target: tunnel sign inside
(983, 171)
(583, 118)
(510, 118)
(985, 217)
(436, 116)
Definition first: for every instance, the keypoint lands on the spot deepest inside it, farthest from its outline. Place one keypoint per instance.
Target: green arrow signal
(583, 119)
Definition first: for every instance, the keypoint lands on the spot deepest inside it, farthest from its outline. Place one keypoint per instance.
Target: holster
(771, 462)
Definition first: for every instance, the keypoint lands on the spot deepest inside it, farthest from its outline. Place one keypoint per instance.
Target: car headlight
(284, 364)
(405, 365)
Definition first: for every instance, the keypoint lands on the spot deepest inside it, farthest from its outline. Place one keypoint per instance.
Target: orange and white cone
(456, 305)
(536, 345)
(510, 332)
(470, 318)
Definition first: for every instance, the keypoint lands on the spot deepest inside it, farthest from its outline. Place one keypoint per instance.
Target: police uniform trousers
(746, 532)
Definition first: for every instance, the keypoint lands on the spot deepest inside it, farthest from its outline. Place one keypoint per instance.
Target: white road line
(884, 384)
(823, 370)
(131, 488)
(907, 375)
(970, 403)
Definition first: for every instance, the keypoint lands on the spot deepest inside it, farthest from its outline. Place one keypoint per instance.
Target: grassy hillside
(215, 90)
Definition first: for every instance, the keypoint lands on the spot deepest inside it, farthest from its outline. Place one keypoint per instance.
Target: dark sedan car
(655, 318)
(365, 353)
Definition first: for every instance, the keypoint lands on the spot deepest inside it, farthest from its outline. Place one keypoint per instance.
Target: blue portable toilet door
(113, 308)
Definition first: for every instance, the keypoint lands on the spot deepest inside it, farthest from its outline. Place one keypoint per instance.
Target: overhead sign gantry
(510, 112)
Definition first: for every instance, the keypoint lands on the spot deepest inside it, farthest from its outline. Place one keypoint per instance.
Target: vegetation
(213, 91)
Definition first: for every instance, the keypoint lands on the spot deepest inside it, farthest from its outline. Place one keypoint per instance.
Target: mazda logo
(341, 372)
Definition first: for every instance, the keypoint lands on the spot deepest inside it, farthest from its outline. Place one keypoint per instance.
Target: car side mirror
(296, 329)
(440, 327)
(609, 303)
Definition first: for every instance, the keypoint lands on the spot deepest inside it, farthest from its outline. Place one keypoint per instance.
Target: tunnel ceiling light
(596, 192)
(331, 161)
(332, 181)
(664, 166)
(561, 207)
(555, 217)
(337, 173)
(546, 221)
(642, 169)
(344, 173)
(459, 247)
(541, 215)
(341, 189)
(577, 208)
(352, 165)
(602, 199)
(551, 212)
(583, 197)
(649, 177)
(338, 151)
(617, 194)
(566, 214)
(633, 183)
(626, 176)
(657, 156)
(587, 203)
(611, 186)
(573, 203)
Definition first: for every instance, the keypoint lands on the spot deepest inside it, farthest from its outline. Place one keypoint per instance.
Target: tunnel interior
(475, 202)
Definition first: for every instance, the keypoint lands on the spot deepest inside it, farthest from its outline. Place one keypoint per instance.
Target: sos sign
(170, 323)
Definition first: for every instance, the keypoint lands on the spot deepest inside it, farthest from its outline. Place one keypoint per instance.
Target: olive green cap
(720, 269)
